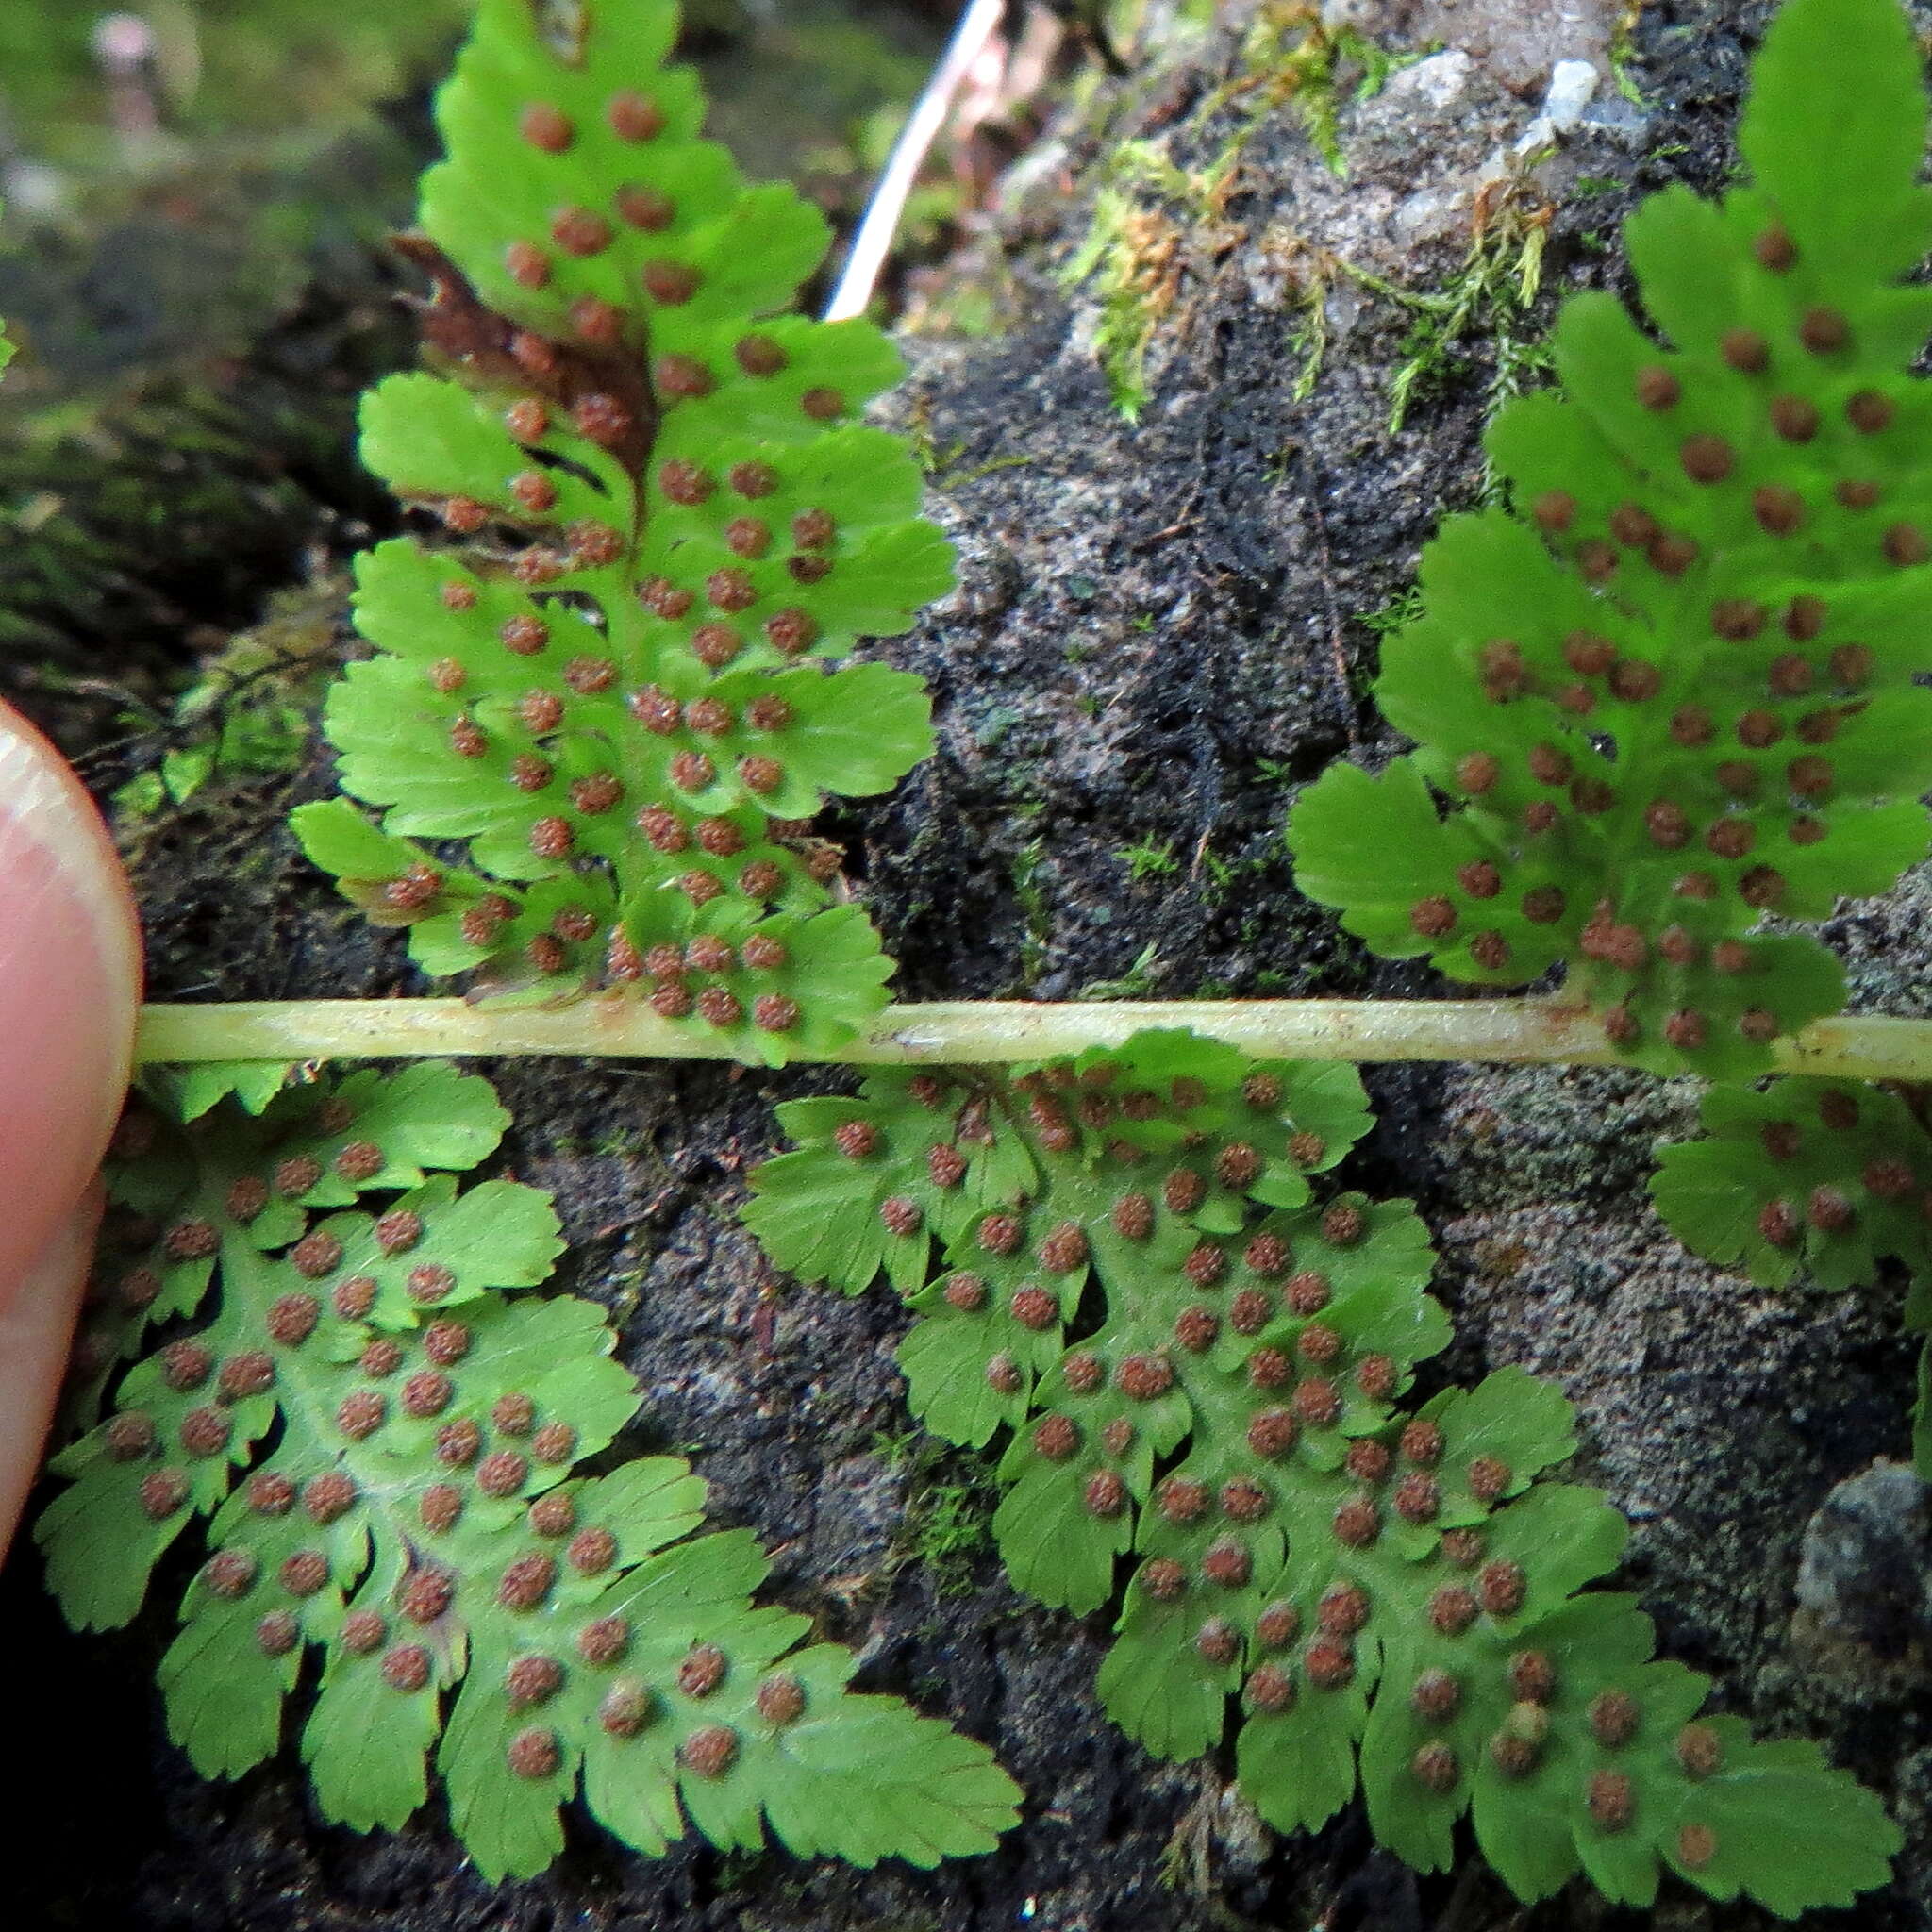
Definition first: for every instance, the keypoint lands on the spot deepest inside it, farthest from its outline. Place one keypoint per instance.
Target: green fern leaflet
(660, 517)
(379, 1446)
(1823, 1178)
(1194, 1367)
(1678, 695)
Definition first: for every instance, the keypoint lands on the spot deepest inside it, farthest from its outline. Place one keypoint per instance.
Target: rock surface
(1158, 635)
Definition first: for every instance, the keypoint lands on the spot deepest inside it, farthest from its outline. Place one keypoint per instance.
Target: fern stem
(1853, 1047)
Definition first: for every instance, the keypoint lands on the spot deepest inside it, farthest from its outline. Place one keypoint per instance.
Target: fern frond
(1195, 1369)
(380, 1446)
(1677, 693)
(613, 694)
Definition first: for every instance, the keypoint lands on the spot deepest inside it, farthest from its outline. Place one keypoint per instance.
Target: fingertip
(44, 804)
(70, 992)
(36, 1329)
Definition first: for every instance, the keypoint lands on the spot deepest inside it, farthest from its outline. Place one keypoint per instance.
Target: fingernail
(69, 991)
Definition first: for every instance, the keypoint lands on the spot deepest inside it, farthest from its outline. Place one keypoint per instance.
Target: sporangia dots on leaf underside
(1819, 1178)
(1378, 1596)
(598, 665)
(388, 1487)
(1677, 691)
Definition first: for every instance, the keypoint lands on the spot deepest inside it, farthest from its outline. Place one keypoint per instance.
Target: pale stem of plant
(873, 241)
(1525, 1031)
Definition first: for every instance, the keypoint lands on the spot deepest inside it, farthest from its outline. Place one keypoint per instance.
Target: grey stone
(1865, 1567)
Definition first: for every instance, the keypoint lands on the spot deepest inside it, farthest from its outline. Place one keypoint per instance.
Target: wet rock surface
(1158, 637)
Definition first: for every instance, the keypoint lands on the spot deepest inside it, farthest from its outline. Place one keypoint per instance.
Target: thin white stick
(873, 241)
(1853, 1046)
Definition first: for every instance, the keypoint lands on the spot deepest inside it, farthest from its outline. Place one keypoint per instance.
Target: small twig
(873, 241)
(1338, 651)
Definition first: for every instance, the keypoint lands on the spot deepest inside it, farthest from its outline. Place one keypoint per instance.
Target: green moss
(1149, 860)
(247, 715)
(1290, 54)
(1623, 52)
(946, 1529)
(1490, 298)
(1137, 983)
(952, 1534)
(1032, 898)
(1132, 252)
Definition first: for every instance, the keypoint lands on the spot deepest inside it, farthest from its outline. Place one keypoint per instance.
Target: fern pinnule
(1822, 1180)
(664, 515)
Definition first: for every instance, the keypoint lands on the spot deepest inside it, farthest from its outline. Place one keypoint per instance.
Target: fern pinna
(658, 515)
(1676, 695)
(1198, 1367)
(1818, 1178)
(381, 1445)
